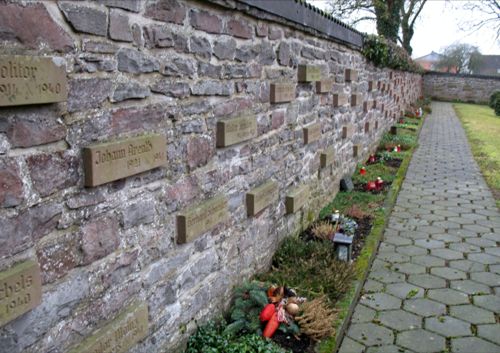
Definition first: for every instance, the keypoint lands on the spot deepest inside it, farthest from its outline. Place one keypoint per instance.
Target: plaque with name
(324, 86)
(367, 127)
(282, 92)
(262, 196)
(111, 161)
(351, 75)
(356, 99)
(199, 219)
(371, 86)
(312, 133)
(230, 132)
(348, 131)
(374, 104)
(20, 290)
(366, 106)
(296, 199)
(124, 332)
(309, 73)
(326, 157)
(340, 99)
(376, 124)
(356, 150)
(32, 80)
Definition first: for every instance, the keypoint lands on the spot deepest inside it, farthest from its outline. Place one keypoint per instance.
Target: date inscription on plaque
(230, 132)
(309, 73)
(32, 80)
(201, 218)
(312, 133)
(20, 290)
(262, 196)
(111, 161)
(296, 199)
(282, 92)
(121, 334)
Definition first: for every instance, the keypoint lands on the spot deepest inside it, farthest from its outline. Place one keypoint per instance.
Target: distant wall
(467, 88)
(177, 69)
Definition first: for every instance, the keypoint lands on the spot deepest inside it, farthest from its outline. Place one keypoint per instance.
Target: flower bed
(323, 286)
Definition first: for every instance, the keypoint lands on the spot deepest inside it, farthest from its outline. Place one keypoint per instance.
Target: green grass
(368, 202)
(483, 130)
(373, 171)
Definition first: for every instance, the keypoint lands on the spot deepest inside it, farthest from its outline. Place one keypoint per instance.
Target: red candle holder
(362, 171)
(371, 186)
(379, 183)
(372, 159)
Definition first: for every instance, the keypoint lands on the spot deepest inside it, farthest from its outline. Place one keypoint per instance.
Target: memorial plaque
(261, 197)
(356, 99)
(326, 158)
(309, 73)
(32, 80)
(282, 92)
(20, 290)
(376, 124)
(366, 106)
(374, 104)
(230, 132)
(348, 131)
(340, 99)
(296, 199)
(367, 127)
(324, 86)
(312, 133)
(115, 160)
(199, 219)
(351, 75)
(120, 335)
(356, 149)
(371, 86)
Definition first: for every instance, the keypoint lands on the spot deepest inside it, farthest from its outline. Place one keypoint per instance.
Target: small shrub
(356, 212)
(323, 230)
(317, 319)
(497, 107)
(493, 99)
(406, 141)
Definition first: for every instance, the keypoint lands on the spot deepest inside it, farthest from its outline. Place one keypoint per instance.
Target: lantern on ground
(342, 245)
(362, 171)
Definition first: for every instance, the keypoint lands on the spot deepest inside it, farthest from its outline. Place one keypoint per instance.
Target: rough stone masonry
(106, 260)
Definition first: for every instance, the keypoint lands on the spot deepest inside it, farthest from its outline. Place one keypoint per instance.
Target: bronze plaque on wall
(111, 161)
(297, 198)
(230, 132)
(351, 75)
(324, 86)
(121, 334)
(309, 73)
(326, 157)
(20, 290)
(340, 99)
(348, 131)
(199, 219)
(32, 80)
(282, 92)
(262, 196)
(312, 133)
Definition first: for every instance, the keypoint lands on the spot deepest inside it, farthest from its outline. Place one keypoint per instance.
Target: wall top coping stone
(449, 74)
(302, 13)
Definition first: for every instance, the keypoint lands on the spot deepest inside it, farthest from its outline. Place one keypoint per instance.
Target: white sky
(438, 27)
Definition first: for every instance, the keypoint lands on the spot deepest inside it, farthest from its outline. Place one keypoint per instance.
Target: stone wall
(134, 248)
(466, 88)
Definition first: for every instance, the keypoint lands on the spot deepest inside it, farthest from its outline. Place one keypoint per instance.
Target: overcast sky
(438, 26)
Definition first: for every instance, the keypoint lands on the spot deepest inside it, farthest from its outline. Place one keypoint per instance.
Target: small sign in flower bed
(302, 302)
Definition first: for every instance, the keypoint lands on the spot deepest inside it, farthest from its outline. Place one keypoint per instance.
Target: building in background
(429, 63)
(488, 65)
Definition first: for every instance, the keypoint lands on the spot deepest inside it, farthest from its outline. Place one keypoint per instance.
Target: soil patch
(395, 162)
(302, 345)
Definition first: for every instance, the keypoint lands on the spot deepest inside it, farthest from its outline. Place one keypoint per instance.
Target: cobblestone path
(435, 283)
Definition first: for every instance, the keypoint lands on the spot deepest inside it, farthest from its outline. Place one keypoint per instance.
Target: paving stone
(461, 220)
(387, 349)
(372, 286)
(427, 281)
(428, 260)
(386, 276)
(470, 287)
(421, 341)
(363, 314)
(493, 251)
(447, 238)
(380, 301)
(351, 346)
(411, 250)
(484, 258)
(492, 236)
(472, 314)
(371, 334)
(386, 247)
(447, 254)
(467, 265)
(448, 296)
(424, 307)
(448, 326)
(490, 302)
(400, 320)
(393, 257)
(397, 240)
(477, 228)
(404, 290)
(448, 273)
(495, 268)
(473, 344)
(380, 265)
(464, 247)
(429, 243)
(408, 268)
(488, 278)
(483, 243)
(414, 235)
(489, 332)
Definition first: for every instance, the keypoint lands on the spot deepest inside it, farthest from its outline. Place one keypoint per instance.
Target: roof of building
(490, 62)
(433, 57)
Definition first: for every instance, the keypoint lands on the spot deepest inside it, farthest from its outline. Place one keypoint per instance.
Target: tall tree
(490, 11)
(462, 57)
(395, 19)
